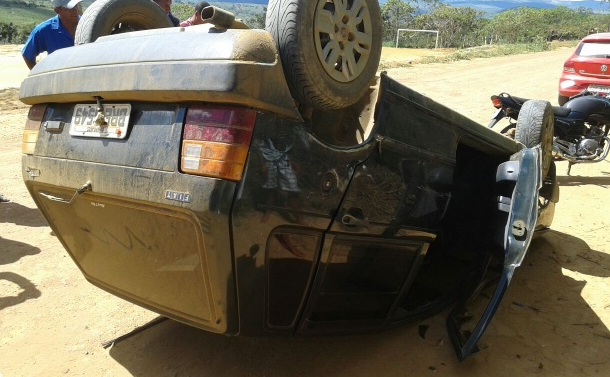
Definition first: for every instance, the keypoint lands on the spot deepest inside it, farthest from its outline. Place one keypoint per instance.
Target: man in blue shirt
(54, 33)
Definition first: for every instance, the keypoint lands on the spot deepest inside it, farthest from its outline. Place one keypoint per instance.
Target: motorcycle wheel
(106, 17)
(330, 50)
(535, 125)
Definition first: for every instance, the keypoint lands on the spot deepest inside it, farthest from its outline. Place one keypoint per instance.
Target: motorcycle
(578, 129)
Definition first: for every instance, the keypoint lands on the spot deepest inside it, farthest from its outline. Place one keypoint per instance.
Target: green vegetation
(19, 17)
(466, 27)
(458, 27)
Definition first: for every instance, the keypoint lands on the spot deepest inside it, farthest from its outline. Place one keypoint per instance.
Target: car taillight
(32, 128)
(569, 67)
(216, 141)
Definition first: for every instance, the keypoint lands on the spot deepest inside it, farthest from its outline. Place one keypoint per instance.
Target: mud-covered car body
(219, 204)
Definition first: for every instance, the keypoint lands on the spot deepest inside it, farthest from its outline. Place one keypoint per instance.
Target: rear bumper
(171, 257)
(572, 84)
(191, 64)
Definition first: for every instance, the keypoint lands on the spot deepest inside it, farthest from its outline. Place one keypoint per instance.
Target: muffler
(221, 18)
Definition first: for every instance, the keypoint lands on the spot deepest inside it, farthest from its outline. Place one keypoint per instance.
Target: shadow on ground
(542, 322)
(580, 180)
(19, 214)
(23, 289)
(11, 251)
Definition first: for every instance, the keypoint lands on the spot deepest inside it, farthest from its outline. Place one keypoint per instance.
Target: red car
(587, 68)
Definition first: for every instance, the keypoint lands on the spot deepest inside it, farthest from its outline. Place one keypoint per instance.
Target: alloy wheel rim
(343, 36)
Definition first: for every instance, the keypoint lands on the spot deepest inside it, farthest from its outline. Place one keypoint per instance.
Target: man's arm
(29, 63)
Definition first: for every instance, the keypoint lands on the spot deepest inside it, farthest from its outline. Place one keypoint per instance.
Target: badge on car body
(183, 197)
(603, 68)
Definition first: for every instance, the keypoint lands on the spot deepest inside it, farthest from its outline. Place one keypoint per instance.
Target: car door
(393, 211)
(387, 218)
(472, 314)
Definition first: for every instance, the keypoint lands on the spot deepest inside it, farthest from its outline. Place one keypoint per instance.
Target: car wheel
(329, 49)
(105, 17)
(535, 125)
(561, 100)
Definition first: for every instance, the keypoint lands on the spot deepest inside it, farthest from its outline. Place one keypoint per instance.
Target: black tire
(535, 125)
(561, 100)
(105, 17)
(324, 72)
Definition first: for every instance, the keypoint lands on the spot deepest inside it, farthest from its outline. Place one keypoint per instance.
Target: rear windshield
(594, 49)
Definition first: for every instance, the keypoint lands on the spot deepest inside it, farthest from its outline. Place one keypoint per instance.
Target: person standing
(53, 34)
(166, 5)
(196, 19)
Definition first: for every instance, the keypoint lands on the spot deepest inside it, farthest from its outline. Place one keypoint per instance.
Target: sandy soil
(554, 320)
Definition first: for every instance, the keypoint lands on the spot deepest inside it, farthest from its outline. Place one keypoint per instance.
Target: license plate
(599, 89)
(110, 123)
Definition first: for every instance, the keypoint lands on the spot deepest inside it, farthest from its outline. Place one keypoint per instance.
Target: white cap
(65, 3)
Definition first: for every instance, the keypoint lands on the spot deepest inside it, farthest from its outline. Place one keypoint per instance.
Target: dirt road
(554, 320)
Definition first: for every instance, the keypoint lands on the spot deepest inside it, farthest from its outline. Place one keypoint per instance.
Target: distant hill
(259, 2)
(492, 7)
(32, 12)
(488, 6)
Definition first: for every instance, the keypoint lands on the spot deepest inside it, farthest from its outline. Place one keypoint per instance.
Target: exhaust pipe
(221, 18)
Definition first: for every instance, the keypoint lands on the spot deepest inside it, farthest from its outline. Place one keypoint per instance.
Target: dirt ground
(554, 320)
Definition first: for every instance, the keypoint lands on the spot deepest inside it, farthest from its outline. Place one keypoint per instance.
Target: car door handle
(351, 220)
(83, 188)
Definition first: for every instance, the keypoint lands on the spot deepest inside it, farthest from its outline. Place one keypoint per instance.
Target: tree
(8, 32)
(258, 20)
(395, 14)
(183, 11)
(458, 27)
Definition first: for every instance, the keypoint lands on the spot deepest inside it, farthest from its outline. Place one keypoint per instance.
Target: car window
(598, 49)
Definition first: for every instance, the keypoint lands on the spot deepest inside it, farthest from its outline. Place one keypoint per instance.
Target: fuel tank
(583, 107)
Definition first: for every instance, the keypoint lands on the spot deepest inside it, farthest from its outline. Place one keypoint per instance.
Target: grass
(29, 12)
(22, 16)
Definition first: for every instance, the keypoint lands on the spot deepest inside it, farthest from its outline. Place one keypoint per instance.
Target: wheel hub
(343, 37)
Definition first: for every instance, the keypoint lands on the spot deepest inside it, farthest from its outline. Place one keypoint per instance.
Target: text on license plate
(112, 122)
(599, 88)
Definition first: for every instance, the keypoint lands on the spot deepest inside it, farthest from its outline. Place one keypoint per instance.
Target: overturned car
(201, 174)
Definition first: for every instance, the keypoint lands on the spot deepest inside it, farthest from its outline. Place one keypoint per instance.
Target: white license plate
(111, 123)
(599, 89)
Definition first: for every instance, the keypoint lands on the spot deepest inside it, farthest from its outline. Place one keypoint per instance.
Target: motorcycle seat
(557, 110)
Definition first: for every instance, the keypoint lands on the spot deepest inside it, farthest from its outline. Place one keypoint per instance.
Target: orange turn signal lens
(213, 159)
(32, 128)
(216, 141)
